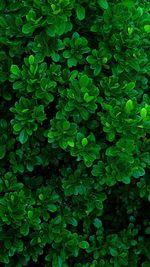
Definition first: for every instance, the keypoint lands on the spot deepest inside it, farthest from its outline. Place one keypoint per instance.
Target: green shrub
(74, 133)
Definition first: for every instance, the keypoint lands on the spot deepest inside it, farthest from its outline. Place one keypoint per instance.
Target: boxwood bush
(74, 133)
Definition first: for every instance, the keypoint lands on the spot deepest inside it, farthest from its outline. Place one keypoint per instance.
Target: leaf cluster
(74, 133)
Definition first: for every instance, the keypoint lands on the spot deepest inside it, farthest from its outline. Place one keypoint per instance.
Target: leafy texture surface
(74, 133)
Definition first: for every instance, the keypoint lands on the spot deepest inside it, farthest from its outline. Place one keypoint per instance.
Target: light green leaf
(84, 244)
(88, 98)
(103, 4)
(130, 86)
(129, 106)
(147, 28)
(80, 12)
(31, 59)
(143, 113)
(71, 143)
(73, 75)
(84, 141)
(23, 136)
(15, 70)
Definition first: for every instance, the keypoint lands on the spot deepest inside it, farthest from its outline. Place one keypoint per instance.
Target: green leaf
(23, 136)
(66, 125)
(71, 143)
(84, 114)
(143, 113)
(3, 22)
(49, 97)
(111, 151)
(31, 59)
(129, 106)
(138, 172)
(30, 214)
(147, 28)
(84, 245)
(84, 80)
(2, 151)
(66, 54)
(57, 261)
(134, 64)
(80, 12)
(71, 62)
(147, 231)
(52, 207)
(31, 15)
(60, 28)
(55, 57)
(73, 221)
(18, 85)
(15, 70)
(88, 98)
(113, 252)
(2, 4)
(98, 169)
(145, 264)
(146, 124)
(126, 179)
(17, 127)
(97, 70)
(97, 223)
(90, 59)
(73, 75)
(41, 197)
(129, 3)
(84, 141)
(130, 86)
(146, 158)
(24, 229)
(50, 135)
(28, 28)
(103, 4)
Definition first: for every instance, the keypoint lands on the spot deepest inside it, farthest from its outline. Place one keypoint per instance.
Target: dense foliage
(74, 133)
